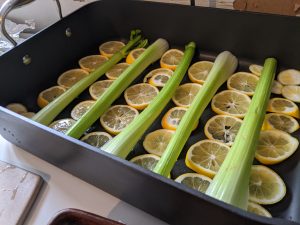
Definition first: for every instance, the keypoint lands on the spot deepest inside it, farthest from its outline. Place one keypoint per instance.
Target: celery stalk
(224, 65)
(231, 184)
(122, 144)
(151, 54)
(47, 114)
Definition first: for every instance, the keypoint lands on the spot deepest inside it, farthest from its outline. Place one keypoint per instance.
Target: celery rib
(231, 184)
(47, 114)
(224, 65)
(122, 144)
(151, 54)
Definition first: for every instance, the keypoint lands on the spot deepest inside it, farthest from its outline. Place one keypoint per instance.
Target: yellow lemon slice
(159, 80)
(147, 161)
(206, 157)
(276, 87)
(258, 210)
(159, 71)
(157, 141)
(243, 82)
(81, 108)
(49, 95)
(195, 181)
(117, 117)
(274, 146)
(289, 77)
(92, 62)
(256, 69)
(292, 93)
(99, 87)
(116, 71)
(17, 108)
(134, 54)
(173, 117)
(62, 125)
(222, 128)
(285, 106)
(96, 139)
(199, 71)
(280, 122)
(265, 187)
(109, 48)
(28, 114)
(185, 94)
(171, 59)
(139, 96)
(71, 77)
(231, 103)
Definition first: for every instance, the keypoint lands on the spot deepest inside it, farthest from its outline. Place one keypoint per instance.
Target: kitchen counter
(62, 190)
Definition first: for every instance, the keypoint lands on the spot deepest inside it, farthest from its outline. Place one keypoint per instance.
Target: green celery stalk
(152, 54)
(231, 184)
(47, 114)
(224, 65)
(123, 143)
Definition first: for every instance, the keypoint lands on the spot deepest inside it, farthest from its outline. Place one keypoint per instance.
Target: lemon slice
(92, 62)
(62, 125)
(140, 95)
(159, 80)
(109, 48)
(258, 210)
(171, 59)
(173, 117)
(265, 187)
(280, 122)
(199, 71)
(243, 82)
(17, 108)
(276, 87)
(195, 181)
(206, 157)
(289, 77)
(256, 69)
(134, 54)
(292, 93)
(116, 71)
(185, 94)
(49, 95)
(147, 161)
(285, 106)
(96, 139)
(28, 114)
(275, 146)
(71, 77)
(231, 102)
(157, 141)
(99, 87)
(117, 117)
(159, 71)
(81, 108)
(222, 128)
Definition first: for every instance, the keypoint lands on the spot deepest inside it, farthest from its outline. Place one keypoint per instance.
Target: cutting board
(18, 190)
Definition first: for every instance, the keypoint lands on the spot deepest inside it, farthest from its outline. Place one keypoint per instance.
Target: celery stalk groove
(231, 184)
(123, 143)
(47, 114)
(152, 54)
(224, 65)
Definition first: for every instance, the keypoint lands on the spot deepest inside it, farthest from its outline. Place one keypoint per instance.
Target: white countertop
(62, 190)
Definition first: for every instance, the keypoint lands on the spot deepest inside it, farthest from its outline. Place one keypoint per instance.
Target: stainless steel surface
(7, 5)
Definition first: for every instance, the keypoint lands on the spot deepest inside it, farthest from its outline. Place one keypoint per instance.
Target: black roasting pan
(250, 36)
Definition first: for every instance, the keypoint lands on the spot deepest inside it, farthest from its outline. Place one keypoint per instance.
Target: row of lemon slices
(205, 157)
(137, 97)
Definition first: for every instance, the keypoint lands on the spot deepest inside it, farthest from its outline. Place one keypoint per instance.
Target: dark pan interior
(249, 36)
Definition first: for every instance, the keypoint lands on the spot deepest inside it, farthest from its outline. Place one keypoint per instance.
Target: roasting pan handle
(7, 6)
